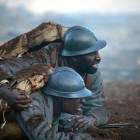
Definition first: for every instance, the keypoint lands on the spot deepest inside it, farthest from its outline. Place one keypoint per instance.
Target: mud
(123, 100)
(46, 101)
(35, 121)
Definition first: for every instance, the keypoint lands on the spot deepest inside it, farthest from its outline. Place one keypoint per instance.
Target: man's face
(90, 62)
(72, 106)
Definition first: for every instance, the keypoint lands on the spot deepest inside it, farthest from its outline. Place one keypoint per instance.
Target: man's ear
(74, 58)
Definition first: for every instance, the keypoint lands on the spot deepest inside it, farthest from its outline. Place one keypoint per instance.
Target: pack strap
(16, 82)
(33, 84)
(46, 77)
(26, 41)
(59, 27)
(89, 81)
(53, 55)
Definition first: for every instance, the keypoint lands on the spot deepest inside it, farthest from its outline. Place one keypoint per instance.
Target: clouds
(65, 6)
(116, 21)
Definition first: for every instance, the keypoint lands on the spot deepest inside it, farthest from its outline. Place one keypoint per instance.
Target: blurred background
(116, 21)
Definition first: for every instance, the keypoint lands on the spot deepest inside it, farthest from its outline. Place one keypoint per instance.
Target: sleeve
(35, 124)
(95, 105)
(8, 68)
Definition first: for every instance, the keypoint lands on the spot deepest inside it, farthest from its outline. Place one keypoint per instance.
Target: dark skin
(66, 105)
(88, 63)
(15, 98)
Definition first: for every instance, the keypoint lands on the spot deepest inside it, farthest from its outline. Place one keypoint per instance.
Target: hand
(82, 121)
(16, 98)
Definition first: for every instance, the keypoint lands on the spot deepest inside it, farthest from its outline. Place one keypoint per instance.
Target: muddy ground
(123, 100)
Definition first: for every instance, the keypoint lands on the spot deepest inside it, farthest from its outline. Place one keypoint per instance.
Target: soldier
(64, 92)
(80, 52)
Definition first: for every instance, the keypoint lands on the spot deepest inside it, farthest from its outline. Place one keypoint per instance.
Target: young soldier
(64, 92)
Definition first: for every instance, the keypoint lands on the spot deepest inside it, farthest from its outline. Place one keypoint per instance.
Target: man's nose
(98, 57)
(82, 100)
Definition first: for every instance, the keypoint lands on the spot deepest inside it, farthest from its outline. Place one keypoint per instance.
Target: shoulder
(96, 75)
(36, 96)
(97, 81)
(43, 100)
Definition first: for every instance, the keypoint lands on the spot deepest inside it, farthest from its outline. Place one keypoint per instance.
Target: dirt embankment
(123, 100)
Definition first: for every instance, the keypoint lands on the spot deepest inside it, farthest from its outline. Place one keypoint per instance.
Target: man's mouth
(79, 109)
(95, 66)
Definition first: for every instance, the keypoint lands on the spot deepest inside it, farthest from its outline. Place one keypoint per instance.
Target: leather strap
(53, 57)
(33, 84)
(59, 27)
(19, 80)
(54, 54)
(46, 77)
(16, 82)
(52, 68)
(26, 41)
(89, 81)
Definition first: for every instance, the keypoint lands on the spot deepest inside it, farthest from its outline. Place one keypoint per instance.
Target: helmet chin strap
(63, 105)
(80, 62)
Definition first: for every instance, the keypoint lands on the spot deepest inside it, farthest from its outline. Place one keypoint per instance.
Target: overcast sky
(99, 6)
(116, 21)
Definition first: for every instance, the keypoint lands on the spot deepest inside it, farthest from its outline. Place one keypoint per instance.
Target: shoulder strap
(53, 55)
(58, 47)
(89, 81)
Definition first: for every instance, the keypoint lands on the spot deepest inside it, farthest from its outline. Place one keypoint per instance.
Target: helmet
(80, 40)
(67, 83)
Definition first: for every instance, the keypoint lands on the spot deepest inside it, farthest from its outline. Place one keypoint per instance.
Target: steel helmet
(67, 83)
(80, 40)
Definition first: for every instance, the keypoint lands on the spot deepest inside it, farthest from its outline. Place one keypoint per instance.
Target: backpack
(42, 35)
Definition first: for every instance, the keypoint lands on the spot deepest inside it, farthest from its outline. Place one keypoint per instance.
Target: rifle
(119, 125)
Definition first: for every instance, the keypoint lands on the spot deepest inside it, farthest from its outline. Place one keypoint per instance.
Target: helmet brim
(80, 94)
(100, 44)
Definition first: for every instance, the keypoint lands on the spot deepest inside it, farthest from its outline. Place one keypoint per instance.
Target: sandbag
(33, 40)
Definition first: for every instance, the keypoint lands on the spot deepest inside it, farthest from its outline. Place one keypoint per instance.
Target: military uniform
(94, 105)
(38, 122)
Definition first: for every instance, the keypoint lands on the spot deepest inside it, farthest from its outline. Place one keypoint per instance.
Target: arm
(95, 111)
(95, 105)
(15, 97)
(35, 123)
(9, 68)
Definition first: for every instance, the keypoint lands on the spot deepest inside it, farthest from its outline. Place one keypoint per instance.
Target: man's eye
(91, 54)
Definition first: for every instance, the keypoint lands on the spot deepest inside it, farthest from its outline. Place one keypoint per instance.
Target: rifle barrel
(118, 125)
